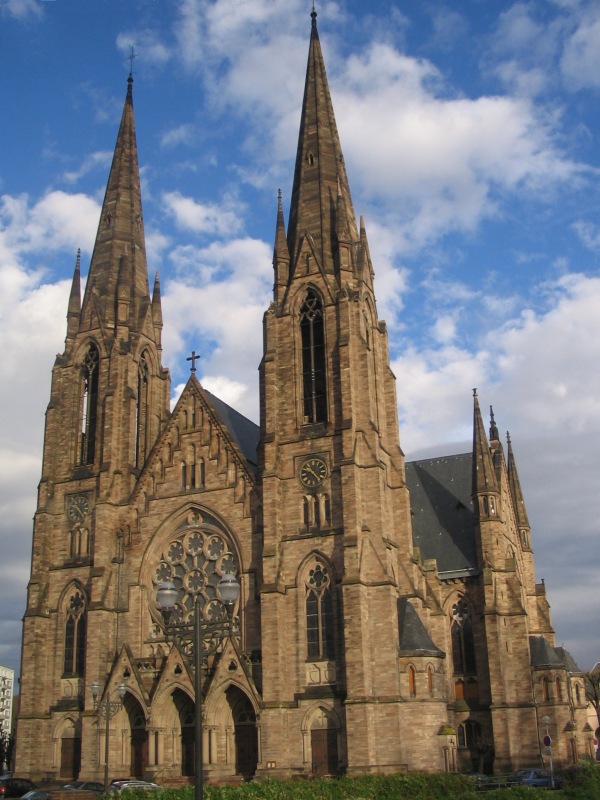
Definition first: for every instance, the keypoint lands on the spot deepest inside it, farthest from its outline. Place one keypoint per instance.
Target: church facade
(389, 617)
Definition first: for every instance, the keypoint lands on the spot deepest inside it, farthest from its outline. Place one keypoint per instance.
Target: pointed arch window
(412, 681)
(463, 644)
(89, 405)
(312, 332)
(75, 636)
(141, 413)
(430, 680)
(545, 689)
(319, 614)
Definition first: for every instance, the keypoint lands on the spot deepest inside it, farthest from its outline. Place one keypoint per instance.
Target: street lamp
(107, 710)
(548, 743)
(198, 639)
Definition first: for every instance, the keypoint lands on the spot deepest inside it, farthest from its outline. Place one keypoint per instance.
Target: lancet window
(319, 613)
(75, 635)
(312, 332)
(463, 645)
(89, 405)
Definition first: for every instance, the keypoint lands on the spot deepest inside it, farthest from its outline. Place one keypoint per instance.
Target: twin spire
(321, 205)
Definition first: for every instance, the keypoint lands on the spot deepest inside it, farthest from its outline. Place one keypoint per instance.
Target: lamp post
(107, 710)
(198, 639)
(548, 743)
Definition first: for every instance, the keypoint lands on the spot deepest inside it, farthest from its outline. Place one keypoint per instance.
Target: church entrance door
(139, 752)
(324, 751)
(246, 734)
(70, 757)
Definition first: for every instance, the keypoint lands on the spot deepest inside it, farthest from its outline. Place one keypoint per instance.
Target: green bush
(581, 783)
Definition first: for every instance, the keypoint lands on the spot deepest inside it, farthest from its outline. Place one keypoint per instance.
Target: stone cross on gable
(193, 359)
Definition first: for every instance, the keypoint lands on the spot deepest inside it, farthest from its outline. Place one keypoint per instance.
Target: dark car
(132, 784)
(84, 786)
(36, 794)
(536, 777)
(15, 787)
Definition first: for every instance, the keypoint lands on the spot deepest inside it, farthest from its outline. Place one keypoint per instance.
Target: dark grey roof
(414, 638)
(543, 654)
(442, 512)
(572, 665)
(244, 431)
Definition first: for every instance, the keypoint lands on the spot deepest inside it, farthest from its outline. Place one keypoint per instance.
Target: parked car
(536, 777)
(132, 783)
(36, 794)
(84, 786)
(15, 787)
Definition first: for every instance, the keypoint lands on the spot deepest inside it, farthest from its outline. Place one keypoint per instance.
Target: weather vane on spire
(130, 58)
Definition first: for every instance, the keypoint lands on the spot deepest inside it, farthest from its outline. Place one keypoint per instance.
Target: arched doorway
(70, 751)
(245, 732)
(324, 744)
(139, 736)
(185, 710)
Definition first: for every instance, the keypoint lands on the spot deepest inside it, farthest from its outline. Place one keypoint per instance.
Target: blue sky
(470, 133)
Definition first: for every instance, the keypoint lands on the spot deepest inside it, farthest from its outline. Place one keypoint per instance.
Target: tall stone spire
(320, 187)
(121, 231)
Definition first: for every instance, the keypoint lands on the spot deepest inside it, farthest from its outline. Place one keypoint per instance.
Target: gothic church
(389, 618)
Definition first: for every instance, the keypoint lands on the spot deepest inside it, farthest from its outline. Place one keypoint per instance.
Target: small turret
(74, 308)
(157, 316)
(486, 494)
(517, 498)
(281, 254)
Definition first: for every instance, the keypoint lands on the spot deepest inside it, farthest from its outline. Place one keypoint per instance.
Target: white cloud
(580, 62)
(57, 221)
(206, 218)
(146, 44)
(182, 134)
(217, 305)
(94, 161)
(21, 9)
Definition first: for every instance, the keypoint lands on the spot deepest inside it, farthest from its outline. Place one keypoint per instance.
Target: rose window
(195, 559)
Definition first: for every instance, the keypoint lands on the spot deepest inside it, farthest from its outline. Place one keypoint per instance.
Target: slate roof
(244, 431)
(543, 654)
(442, 512)
(414, 638)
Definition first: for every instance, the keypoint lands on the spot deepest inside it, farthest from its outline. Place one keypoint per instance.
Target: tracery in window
(319, 613)
(75, 635)
(312, 333)
(195, 558)
(463, 645)
(89, 405)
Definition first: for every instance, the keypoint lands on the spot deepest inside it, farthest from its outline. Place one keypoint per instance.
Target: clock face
(79, 507)
(313, 472)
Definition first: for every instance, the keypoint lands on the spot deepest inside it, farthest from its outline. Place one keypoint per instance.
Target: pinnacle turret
(484, 474)
(516, 492)
(74, 308)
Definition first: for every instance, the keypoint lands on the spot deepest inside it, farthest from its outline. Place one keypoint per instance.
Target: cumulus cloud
(580, 62)
(206, 218)
(21, 9)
